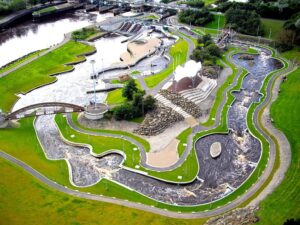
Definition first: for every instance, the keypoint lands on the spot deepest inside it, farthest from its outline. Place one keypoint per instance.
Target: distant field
(272, 27)
(214, 24)
(208, 2)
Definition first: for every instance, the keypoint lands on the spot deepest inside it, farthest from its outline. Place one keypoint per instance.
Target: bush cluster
(206, 51)
(137, 104)
(244, 21)
(195, 17)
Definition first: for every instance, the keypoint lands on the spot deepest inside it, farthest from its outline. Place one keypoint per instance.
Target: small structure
(215, 149)
(96, 111)
(3, 121)
(123, 78)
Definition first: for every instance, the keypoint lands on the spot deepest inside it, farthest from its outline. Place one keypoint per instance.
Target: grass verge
(284, 202)
(53, 207)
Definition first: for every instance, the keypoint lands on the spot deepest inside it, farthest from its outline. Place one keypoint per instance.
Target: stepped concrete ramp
(169, 104)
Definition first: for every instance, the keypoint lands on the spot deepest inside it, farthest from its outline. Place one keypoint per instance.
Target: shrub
(129, 89)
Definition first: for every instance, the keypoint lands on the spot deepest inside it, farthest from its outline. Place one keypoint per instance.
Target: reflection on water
(29, 36)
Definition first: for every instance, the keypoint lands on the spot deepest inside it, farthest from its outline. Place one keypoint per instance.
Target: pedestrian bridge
(45, 108)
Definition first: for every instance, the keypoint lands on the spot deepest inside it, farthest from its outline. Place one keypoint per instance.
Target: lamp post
(94, 79)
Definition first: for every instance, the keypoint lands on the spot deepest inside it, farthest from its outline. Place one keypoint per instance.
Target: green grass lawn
(293, 54)
(182, 137)
(20, 60)
(45, 10)
(115, 97)
(27, 201)
(37, 72)
(179, 52)
(217, 20)
(208, 2)
(204, 30)
(137, 138)
(284, 202)
(272, 27)
(85, 33)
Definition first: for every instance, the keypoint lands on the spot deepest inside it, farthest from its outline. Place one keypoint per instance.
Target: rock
(188, 106)
(211, 72)
(246, 57)
(158, 120)
(215, 149)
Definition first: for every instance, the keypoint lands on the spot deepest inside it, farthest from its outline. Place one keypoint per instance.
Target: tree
(129, 89)
(244, 21)
(195, 17)
(123, 112)
(214, 50)
(149, 103)
(292, 222)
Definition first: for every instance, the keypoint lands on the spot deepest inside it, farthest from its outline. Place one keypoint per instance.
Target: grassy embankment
(284, 202)
(86, 34)
(272, 27)
(45, 10)
(20, 61)
(37, 73)
(178, 53)
(27, 201)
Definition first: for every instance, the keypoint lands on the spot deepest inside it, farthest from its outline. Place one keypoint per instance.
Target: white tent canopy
(189, 69)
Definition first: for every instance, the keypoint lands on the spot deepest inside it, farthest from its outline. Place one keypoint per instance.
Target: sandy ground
(157, 143)
(191, 121)
(139, 50)
(167, 157)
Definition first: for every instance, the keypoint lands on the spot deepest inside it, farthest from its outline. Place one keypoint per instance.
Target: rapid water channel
(217, 176)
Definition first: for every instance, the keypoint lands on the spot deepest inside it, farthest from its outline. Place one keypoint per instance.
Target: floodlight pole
(94, 80)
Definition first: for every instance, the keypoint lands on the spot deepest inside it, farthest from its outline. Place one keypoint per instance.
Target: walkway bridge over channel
(146, 3)
(45, 108)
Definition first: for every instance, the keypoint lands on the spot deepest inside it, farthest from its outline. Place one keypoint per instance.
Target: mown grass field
(217, 22)
(25, 200)
(272, 27)
(284, 202)
(178, 53)
(37, 73)
(21, 60)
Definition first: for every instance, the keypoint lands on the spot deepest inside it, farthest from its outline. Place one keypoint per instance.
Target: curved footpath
(285, 159)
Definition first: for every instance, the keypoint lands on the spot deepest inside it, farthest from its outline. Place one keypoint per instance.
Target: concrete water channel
(217, 177)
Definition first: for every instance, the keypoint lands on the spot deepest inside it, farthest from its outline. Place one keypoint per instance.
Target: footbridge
(147, 3)
(45, 108)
